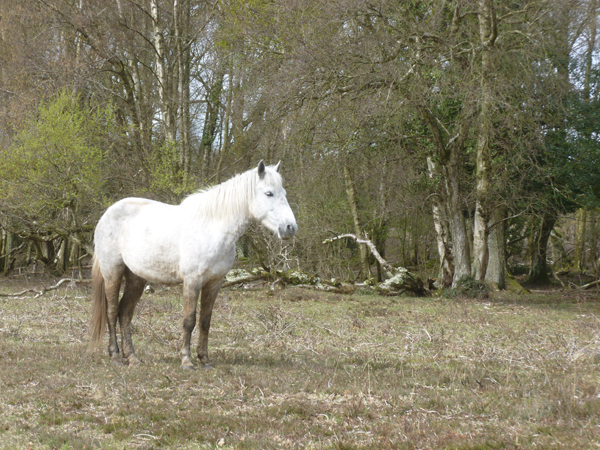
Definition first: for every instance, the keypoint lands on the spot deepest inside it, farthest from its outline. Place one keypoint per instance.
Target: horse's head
(269, 205)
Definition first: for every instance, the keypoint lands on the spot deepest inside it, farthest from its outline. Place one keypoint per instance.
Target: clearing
(305, 369)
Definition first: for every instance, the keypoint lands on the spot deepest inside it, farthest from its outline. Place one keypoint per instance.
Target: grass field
(301, 369)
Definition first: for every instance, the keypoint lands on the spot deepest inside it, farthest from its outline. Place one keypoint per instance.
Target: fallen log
(240, 276)
(590, 285)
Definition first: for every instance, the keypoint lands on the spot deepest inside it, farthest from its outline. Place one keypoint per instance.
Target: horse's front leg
(191, 291)
(209, 295)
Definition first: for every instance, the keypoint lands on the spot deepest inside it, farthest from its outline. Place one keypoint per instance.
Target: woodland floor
(305, 369)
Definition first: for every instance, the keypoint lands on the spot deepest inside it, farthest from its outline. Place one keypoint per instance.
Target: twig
(44, 289)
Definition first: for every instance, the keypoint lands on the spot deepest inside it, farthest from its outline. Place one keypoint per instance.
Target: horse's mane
(229, 200)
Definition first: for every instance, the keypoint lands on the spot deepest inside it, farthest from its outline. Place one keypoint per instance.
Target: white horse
(143, 240)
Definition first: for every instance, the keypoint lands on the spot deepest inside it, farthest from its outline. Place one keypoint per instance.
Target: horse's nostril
(291, 229)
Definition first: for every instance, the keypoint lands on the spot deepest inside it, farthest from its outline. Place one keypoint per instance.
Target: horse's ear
(278, 166)
(261, 169)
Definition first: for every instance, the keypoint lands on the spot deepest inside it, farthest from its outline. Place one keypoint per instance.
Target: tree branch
(368, 243)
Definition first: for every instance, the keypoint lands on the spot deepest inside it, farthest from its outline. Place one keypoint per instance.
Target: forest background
(461, 137)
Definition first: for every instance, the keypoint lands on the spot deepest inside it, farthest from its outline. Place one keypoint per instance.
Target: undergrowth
(468, 287)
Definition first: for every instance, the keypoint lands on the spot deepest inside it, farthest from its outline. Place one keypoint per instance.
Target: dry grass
(301, 369)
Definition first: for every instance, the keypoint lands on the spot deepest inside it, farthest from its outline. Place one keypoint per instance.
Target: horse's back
(136, 232)
(118, 216)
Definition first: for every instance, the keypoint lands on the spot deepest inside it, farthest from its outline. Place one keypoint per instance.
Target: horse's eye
(269, 194)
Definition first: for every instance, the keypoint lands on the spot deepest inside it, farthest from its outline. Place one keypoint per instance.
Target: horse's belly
(155, 271)
(209, 260)
(150, 250)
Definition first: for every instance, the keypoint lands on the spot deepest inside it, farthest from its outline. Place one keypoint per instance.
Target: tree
(53, 176)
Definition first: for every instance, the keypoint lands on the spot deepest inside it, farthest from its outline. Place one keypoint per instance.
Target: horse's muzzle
(287, 231)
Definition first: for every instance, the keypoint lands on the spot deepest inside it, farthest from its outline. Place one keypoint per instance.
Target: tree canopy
(440, 130)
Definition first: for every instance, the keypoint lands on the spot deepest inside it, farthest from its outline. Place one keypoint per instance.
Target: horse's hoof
(187, 367)
(133, 361)
(118, 360)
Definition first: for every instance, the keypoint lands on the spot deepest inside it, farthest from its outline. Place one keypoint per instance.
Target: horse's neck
(233, 230)
(218, 208)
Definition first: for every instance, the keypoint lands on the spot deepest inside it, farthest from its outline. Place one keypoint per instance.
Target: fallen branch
(590, 285)
(555, 275)
(399, 280)
(44, 289)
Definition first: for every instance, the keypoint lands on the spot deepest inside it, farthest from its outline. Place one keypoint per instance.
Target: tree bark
(487, 35)
(496, 269)
(351, 195)
(446, 271)
(461, 251)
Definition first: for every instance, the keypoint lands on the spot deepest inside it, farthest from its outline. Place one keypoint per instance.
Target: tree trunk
(590, 51)
(450, 162)
(226, 139)
(579, 253)
(461, 252)
(9, 262)
(496, 268)
(62, 259)
(2, 252)
(351, 194)
(538, 272)
(211, 116)
(181, 18)
(380, 228)
(487, 35)
(6, 251)
(161, 74)
(446, 271)
(594, 257)
(579, 250)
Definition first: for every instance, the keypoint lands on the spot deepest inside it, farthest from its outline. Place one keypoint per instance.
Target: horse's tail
(99, 306)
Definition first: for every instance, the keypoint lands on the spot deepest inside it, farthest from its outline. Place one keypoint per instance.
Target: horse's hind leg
(112, 285)
(134, 287)
(209, 295)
